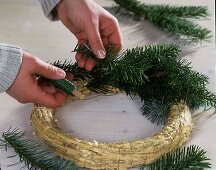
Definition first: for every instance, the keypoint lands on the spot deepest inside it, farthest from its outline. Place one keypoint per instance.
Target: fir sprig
(168, 18)
(190, 158)
(115, 69)
(156, 111)
(141, 9)
(155, 73)
(180, 11)
(34, 155)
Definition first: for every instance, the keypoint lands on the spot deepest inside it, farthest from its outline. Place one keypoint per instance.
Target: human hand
(26, 87)
(91, 24)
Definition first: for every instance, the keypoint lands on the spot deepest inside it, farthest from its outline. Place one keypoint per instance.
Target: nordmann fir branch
(141, 9)
(123, 70)
(190, 158)
(181, 11)
(173, 80)
(33, 154)
(168, 18)
(160, 78)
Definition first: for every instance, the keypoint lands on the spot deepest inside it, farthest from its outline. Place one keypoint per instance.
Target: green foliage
(171, 19)
(69, 66)
(156, 111)
(34, 155)
(153, 72)
(190, 158)
(173, 80)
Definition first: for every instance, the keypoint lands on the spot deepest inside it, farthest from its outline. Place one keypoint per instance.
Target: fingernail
(101, 54)
(61, 73)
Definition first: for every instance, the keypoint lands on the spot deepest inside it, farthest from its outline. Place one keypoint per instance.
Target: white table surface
(22, 23)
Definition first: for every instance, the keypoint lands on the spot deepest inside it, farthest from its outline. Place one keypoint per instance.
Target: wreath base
(119, 155)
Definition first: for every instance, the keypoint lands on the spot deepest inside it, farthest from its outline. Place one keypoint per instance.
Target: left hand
(26, 88)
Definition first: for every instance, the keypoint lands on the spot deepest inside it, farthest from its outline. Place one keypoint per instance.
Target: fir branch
(69, 66)
(142, 9)
(111, 51)
(181, 11)
(177, 81)
(190, 158)
(153, 72)
(156, 111)
(170, 19)
(180, 26)
(34, 155)
(116, 69)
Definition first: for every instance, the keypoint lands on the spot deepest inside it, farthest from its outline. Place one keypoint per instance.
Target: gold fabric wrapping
(120, 155)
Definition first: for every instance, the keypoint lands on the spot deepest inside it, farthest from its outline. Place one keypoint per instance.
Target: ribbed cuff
(10, 63)
(48, 8)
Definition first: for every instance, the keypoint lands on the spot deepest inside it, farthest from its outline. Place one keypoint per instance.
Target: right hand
(91, 24)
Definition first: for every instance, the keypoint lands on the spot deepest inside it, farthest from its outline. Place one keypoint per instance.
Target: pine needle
(34, 155)
(170, 19)
(190, 158)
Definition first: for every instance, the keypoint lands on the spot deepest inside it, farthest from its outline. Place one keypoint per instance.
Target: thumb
(49, 71)
(95, 41)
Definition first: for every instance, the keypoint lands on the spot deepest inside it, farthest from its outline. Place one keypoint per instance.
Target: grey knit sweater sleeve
(48, 8)
(10, 62)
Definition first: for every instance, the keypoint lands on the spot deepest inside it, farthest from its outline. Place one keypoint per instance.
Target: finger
(117, 41)
(89, 64)
(80, 41)
(113, 33)
(105, 42)
(81, 62)
(95, 40)
(48, 87)
(78, 56)
(81, 37)
(40, 80)
(47, 99)
(47, 70)
(69, 76)
(115, 38)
